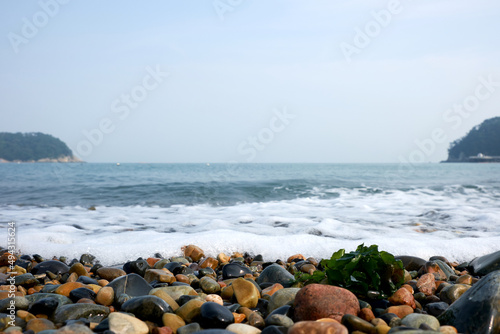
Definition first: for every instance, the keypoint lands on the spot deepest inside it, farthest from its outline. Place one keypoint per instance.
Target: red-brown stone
(316, 301)
(427, 284)
(317, 327)
(402, 297)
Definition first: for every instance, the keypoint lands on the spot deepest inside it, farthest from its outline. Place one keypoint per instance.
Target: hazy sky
(250, 80)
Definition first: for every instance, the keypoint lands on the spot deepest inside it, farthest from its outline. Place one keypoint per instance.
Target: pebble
(279, 320)
(159, 275)
(403, 297)
(213, 315)
(354, 323)
(436, 308)
(282, 297)
(275, 274)
(176, 291)
(66, 288)
(173, 321)
(243, 329)
(415, 320)
(147, 308)
(79, 269)
(121, 323)
(316, 301)
(55, 267)
(139, 266)
(26, 280)
(214, 298)
(105, 296)
(94, 313)
(190, 310)
(38, 325)
(194, 252)
(246, 293)
(45, 306)
(317, 327)
(79, 293)
(452, 292)
(235, 270)
(485, 264)
(400, 311)
(209, 285)
(189, 329)
(131, 284)
(109, 273)
(427, 284)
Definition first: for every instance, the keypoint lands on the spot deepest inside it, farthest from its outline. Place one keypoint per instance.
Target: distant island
(481, 144)
(33, 147)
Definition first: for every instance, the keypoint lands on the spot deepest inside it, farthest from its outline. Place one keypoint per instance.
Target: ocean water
(276, 210)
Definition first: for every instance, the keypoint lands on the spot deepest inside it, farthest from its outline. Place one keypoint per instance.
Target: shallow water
(271, 209)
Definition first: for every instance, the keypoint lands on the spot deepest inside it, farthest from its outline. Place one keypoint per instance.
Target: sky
(334, 81)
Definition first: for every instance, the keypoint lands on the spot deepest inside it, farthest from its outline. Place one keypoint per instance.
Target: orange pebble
(238, 317)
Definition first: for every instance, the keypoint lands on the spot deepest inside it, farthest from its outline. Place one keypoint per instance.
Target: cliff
(33, 147)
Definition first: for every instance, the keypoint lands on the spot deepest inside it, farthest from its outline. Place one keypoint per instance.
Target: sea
(120, 212)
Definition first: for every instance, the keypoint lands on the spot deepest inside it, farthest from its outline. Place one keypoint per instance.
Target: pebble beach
(194, 292)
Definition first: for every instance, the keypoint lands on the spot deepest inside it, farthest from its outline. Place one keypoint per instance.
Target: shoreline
(237, 293)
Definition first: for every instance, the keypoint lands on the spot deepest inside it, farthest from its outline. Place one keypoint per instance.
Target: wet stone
(124, 323)
(416, 320)
(138, 266)
(87, 280)
(80, 293)
(354, 323)
(282, 297)
(485, 264)
(26, 280)
(213, 315)
(316, 301)
(209, 285)
(62, 300)
(109, 273)
(189, 329)
(79, 269)
(436, 308)
(87, 259)
(132, 285)
(453, 292)
(38, 325)
(243, 329)
(234, 270)
(411, 263)
(275, 330)
(53, 266)
(275, 274)
(279, 320)
(21, 303)
(478, 308)
(92, 312)
(318, 327)
(147, 308)
(45, 306)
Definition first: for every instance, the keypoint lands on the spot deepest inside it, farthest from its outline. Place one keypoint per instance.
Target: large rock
(485, 264)
(476, 311)
(276, 274)
(316, 301)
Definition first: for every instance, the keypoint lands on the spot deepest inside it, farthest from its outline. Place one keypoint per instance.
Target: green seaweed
(366, 269)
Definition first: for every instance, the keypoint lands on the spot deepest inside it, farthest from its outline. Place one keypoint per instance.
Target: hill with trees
(33, 147)
(481, 144)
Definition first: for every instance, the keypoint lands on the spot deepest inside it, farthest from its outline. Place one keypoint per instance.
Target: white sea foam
(421, 222)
